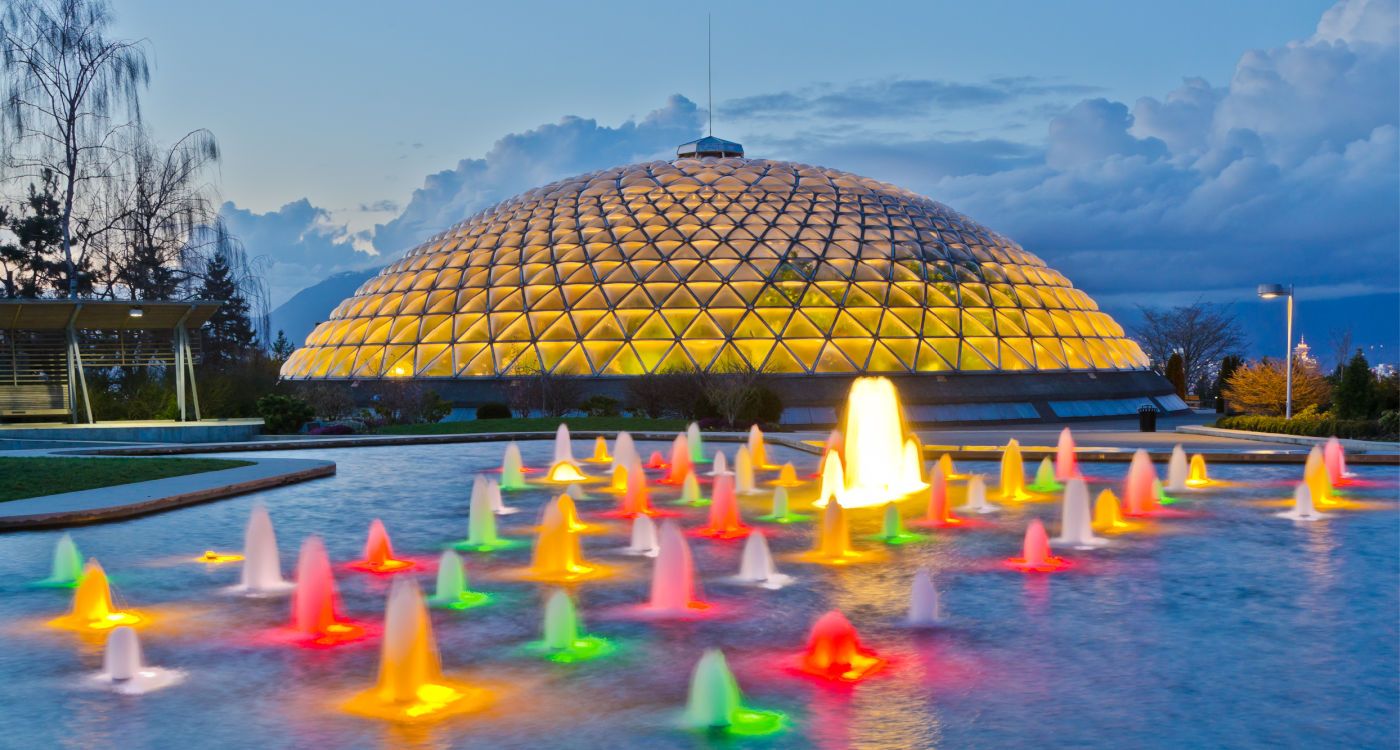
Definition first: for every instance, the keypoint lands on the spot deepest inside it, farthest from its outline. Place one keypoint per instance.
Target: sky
(1156, 153)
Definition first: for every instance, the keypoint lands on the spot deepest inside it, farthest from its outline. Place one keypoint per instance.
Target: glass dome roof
(701, 261)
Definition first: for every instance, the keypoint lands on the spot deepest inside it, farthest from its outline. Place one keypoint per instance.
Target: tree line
(92, 206)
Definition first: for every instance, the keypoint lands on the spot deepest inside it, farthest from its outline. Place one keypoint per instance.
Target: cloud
(521, 161)
(383, 205)
(893, 98)
(301, 243)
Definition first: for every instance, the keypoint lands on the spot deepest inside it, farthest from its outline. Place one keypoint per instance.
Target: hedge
(1358, 429)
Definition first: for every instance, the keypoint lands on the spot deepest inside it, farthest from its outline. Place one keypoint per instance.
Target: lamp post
(1272, 291)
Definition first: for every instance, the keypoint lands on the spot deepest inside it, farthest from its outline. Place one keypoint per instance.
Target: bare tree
(729, 385)
(1201, 333)
(68, 88)
(1340, 341)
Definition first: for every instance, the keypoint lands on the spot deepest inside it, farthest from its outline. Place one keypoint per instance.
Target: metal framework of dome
(707, 260)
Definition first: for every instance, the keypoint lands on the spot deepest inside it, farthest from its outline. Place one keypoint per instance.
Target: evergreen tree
(282, 347)
(1176, 374)
(1355, 391)
(1228, 365)
(29, 263)
(228, 336)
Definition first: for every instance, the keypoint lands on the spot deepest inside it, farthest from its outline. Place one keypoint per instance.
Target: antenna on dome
(709, 145)
(710, 71)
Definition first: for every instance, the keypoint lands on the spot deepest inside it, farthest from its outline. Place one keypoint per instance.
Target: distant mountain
(300, 314)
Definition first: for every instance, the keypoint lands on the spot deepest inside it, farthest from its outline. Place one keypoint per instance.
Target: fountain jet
(977, 497)
(512, 469)
(1316, 477)
(378, 554)
(643, 539)
(411, 686)
(314, 616)
(1035, 552)
(945, 462)
(563, 446)
(600, 452)
(1045, 477)
(1138, 492)
(1065, 464)
(1303, 508)
(656, 461)
(834, 651)
(92, 604)
(1013, 472)
(925, 607)
(715, 703)
(725, 522)
(1076, 525)
(558, 554)
(938, 516)
(721, 465)
(563, 640)
(697, 444)
(67, 566)
(452, 590)
(878, 464)
(1108, 514)
(758, 450)
(787, 476)
(262, 564)
(743, 472)
(1335, 457)
(680, 466)
(125, 672)
(624, 451)
(673, 589)
(1197, 476)
(757, 566)
(1178, 470)
(690, 491)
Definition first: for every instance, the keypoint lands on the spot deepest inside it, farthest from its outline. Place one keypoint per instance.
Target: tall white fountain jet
(262, 564)
(625, 451)
(757, 566)
(1178, 470)
(1076, 518)
(563, 446)
(743, 472)
(493, 494)
(697, 443)
(977, 497)
(643, 539)
(925, 609)
(721, 465)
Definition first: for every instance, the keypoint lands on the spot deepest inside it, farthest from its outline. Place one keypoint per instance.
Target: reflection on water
(1205, 631)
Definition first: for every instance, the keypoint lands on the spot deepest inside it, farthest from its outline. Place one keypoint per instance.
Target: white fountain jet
(743, 472)
(493, 494)
(1076, 518)
(624, 451)
(123, 669)
(977, 497)
(720, 466)
(925, 606)
(757, 566)
(262, 564)
(563, 447)
(643, 540)
(697, 443)
(781, 506)
(1178, 470)
(1303, 508)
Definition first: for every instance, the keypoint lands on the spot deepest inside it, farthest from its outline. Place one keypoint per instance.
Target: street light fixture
(1273, 291)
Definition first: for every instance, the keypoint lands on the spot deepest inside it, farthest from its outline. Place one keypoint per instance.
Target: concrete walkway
(140, 498)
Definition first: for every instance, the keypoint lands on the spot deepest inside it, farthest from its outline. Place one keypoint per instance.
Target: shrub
(764, 407)
(1390, 422)
(1314, 426)
(493, 410)
(601, 406)
(283, 414)
(330, 401)
(1259, 387)
(332, 429)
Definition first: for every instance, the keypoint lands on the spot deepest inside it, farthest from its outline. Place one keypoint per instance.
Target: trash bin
(1147, 418)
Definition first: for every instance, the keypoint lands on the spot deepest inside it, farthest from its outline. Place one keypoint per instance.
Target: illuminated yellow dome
(700, 261)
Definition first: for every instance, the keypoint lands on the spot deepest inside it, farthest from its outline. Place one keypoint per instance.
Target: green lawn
(537, 424)
(32, 477)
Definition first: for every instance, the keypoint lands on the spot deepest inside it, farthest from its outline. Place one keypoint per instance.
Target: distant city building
(1302, 353)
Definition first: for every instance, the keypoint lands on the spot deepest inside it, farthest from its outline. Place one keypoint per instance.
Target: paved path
(140, 498)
